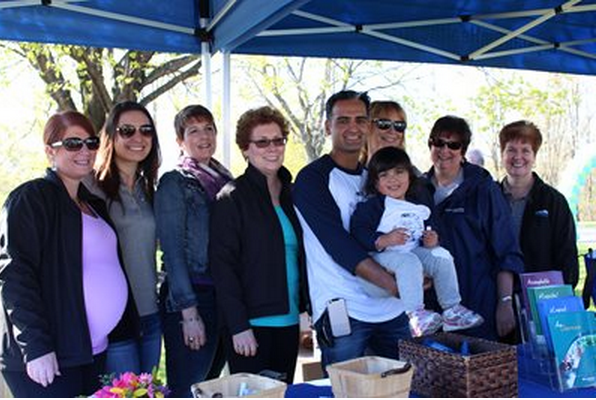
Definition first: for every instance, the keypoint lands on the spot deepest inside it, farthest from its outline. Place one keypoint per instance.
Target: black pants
(277, 351)
(77, 381)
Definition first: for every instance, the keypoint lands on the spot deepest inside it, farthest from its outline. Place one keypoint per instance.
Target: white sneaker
(424, 322)
(459, 317)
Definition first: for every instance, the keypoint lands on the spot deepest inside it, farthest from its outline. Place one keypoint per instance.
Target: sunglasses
(264, 143)
(442, 143)
(385, 124)
(76, 144)
(128, 131)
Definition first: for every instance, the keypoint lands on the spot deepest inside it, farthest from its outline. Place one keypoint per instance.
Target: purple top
(104, 284)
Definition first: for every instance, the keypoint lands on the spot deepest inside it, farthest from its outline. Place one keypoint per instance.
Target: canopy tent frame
(480, 54)
(546, 35)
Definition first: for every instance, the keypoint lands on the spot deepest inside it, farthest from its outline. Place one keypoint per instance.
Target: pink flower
(129, 384)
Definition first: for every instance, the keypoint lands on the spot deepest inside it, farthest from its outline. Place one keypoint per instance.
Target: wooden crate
(370, 377)
(229, 386)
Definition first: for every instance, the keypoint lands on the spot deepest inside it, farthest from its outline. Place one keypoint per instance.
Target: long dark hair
(106, 172)
(383, 160)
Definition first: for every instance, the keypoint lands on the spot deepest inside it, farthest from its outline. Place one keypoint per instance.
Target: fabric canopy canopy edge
(536, 34)
(546, 35)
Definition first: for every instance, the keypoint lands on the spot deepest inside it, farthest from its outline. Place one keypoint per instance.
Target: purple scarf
(212, 179)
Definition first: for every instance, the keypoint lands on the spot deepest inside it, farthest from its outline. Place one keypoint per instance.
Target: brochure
(531, 279)
(554, 306)
(574, 341)
(538, 293)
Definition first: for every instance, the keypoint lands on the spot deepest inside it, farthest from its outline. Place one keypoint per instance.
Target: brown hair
(524, 131)
(256, 117)
(58, 124)
(454, 125)
(188, 113)
(107, 174)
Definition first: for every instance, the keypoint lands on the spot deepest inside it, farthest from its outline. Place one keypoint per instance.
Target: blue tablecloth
(534, 386)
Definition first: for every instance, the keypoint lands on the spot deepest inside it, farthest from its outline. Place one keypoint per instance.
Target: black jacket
(247, 251)
(41, 277)
(547, 237)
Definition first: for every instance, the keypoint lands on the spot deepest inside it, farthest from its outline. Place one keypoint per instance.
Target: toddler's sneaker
(424, 322)
(459, 317)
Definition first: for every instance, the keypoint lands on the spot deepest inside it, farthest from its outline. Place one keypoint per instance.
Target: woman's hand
(43, 369)
(245, 343)
(505, 318)
(430, 238)
(193, 329)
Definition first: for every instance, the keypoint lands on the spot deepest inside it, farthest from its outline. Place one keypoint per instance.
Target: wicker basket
(490, 370)
(370, 377)
(229, 386)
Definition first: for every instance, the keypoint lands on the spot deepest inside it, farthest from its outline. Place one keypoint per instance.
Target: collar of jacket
(257, 177)
(83, 192)
(534, 190)
(472, 175)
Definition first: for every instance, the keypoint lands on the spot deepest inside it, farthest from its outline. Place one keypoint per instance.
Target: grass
(582, 250)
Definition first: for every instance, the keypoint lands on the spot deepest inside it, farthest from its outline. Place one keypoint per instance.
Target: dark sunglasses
(442, 143)
(128, 131)
(264, 143)
(76, 144)
(384, 124)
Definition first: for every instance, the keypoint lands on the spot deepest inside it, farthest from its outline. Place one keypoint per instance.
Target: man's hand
(505, 318)
(370, 270)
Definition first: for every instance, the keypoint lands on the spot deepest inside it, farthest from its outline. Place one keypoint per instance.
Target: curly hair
(256, 117)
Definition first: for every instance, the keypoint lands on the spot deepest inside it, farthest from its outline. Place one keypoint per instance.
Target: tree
(553, 103)
(92, 80)
(299, 88)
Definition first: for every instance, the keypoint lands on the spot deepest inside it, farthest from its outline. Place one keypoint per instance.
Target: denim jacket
(182, 217)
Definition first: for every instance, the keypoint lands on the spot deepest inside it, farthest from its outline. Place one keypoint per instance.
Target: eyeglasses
(128, 131)
(442, 143)
(76, 144)
(264, 143)
(385, 124)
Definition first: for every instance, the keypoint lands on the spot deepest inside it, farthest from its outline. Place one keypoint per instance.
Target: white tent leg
(206, 66)
(226, 110)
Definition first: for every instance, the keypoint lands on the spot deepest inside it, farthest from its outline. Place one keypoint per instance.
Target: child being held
(393, 230)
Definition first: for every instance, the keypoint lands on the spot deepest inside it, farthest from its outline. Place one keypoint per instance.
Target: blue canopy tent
(546, 35)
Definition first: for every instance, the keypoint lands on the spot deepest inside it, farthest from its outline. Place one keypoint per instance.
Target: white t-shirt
(403, 214)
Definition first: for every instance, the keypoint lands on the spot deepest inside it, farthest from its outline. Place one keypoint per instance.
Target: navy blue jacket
(474, 224)
(366, 219)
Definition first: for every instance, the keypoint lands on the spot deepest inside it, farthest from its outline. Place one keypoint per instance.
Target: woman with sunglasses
(542, 220)
(182, 208)
(388, 128)
(64, 291)
(125, 177)
(474, 223)
(256, 253)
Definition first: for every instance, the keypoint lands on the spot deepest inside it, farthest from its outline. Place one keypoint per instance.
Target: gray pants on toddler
(409, 269)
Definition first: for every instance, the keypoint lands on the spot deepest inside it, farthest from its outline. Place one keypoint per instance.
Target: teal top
(291, 242)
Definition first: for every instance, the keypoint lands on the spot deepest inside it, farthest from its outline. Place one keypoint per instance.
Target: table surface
(530, 387)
